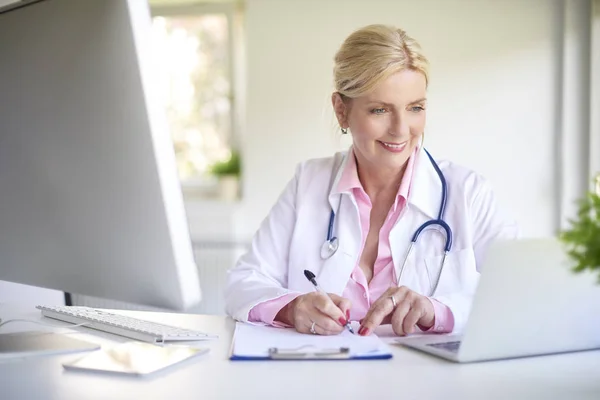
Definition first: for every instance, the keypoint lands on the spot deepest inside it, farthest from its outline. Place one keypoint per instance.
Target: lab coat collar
(339, 164)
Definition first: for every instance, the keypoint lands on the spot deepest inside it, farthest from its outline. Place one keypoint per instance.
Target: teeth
(393, 146)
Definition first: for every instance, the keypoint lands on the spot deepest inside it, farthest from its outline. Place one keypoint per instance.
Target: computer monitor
(90, 201)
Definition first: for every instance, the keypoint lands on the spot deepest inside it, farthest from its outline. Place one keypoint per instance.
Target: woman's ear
(341, 110)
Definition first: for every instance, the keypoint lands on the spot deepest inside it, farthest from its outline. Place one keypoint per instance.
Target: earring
(344, 130)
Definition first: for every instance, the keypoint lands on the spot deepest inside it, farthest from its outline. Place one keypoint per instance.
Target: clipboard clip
(305, 352)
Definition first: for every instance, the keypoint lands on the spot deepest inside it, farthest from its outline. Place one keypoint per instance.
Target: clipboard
(306, 353)
(257, 342)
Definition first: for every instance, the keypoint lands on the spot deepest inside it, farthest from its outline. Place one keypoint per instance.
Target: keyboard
(129, 327)
(449, 346)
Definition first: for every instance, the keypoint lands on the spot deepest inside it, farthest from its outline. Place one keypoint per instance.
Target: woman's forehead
(406, 86)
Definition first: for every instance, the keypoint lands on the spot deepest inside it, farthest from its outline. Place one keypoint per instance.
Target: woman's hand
(329, 313)
(410, 309)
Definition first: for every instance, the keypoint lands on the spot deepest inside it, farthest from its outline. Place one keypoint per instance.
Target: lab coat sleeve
(261, 274)
(488, 223)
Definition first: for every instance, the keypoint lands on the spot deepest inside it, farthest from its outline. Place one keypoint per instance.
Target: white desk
(408, 375)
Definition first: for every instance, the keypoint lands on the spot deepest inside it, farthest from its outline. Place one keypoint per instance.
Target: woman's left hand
(410, 309)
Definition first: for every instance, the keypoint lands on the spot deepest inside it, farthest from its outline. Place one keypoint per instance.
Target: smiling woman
(380, 195)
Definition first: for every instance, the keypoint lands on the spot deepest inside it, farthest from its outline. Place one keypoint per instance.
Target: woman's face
(387, 123)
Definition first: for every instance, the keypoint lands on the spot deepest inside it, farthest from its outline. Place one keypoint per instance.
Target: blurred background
(514, 94)
(509, 97)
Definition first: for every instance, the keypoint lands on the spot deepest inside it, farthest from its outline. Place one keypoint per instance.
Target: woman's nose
(399, 127)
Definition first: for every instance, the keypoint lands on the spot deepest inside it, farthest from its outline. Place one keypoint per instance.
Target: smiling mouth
(394, 146)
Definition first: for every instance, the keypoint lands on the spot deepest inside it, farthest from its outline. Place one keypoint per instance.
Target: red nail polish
(360, 330)
(342, 321)
(365, 332)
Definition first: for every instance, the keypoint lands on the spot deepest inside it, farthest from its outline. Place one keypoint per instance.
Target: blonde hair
(373, 53)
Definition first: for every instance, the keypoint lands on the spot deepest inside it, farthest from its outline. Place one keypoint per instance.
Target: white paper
(255, 341)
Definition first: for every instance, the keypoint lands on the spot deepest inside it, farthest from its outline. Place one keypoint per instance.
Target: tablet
(135, 358)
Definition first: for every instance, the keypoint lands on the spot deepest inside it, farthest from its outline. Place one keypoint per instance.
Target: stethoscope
(332, 243)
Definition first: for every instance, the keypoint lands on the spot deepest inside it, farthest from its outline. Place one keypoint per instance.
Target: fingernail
(342, 321)
(365, 332)
(348, 314)
(360, 330)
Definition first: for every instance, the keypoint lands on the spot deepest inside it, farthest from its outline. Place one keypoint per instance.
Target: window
(196, 50)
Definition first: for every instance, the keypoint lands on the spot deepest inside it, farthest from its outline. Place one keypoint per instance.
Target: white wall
(494, 93)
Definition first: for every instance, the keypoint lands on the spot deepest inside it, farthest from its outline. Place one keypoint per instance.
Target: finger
(342, 303)
(326, 306)
(299, 314)
(413, 316)
(324, 325)
(302, 321)
(375, 306)
(382, 308)
(400, 314)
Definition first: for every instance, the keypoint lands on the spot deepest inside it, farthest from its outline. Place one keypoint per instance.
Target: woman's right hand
(329, 313)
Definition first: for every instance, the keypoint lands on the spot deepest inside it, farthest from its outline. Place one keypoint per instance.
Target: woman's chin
(391, 160)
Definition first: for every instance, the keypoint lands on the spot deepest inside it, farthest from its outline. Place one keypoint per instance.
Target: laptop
(528, 303)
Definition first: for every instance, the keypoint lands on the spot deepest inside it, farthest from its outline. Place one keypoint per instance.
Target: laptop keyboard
(449, 346)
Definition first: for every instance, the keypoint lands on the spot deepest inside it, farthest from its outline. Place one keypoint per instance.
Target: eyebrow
(390, 104)
(419, 101)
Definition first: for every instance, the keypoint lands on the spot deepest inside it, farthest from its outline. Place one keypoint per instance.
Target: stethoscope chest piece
(329, 248)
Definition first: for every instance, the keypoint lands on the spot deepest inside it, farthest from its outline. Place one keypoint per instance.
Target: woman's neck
(379, 182)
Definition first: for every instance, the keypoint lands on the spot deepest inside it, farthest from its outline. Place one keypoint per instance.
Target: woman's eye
(378, 110)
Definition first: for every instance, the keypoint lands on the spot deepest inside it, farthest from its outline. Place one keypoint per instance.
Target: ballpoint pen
(311, 277)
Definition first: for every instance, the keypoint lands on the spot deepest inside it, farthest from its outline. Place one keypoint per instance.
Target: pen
(311, 277)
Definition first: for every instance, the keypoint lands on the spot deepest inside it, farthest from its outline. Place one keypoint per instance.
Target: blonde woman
(350, 219)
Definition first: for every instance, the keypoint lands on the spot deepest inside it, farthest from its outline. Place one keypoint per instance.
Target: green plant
(583, 237)
(230, 167)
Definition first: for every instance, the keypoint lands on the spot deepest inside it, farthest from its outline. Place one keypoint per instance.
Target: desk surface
(409, 374)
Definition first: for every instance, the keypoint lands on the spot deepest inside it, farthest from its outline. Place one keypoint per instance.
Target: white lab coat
(289, 239)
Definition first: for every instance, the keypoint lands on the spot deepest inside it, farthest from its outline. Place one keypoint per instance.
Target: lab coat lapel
(426, 187)
(423, 204)
(336, 270)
